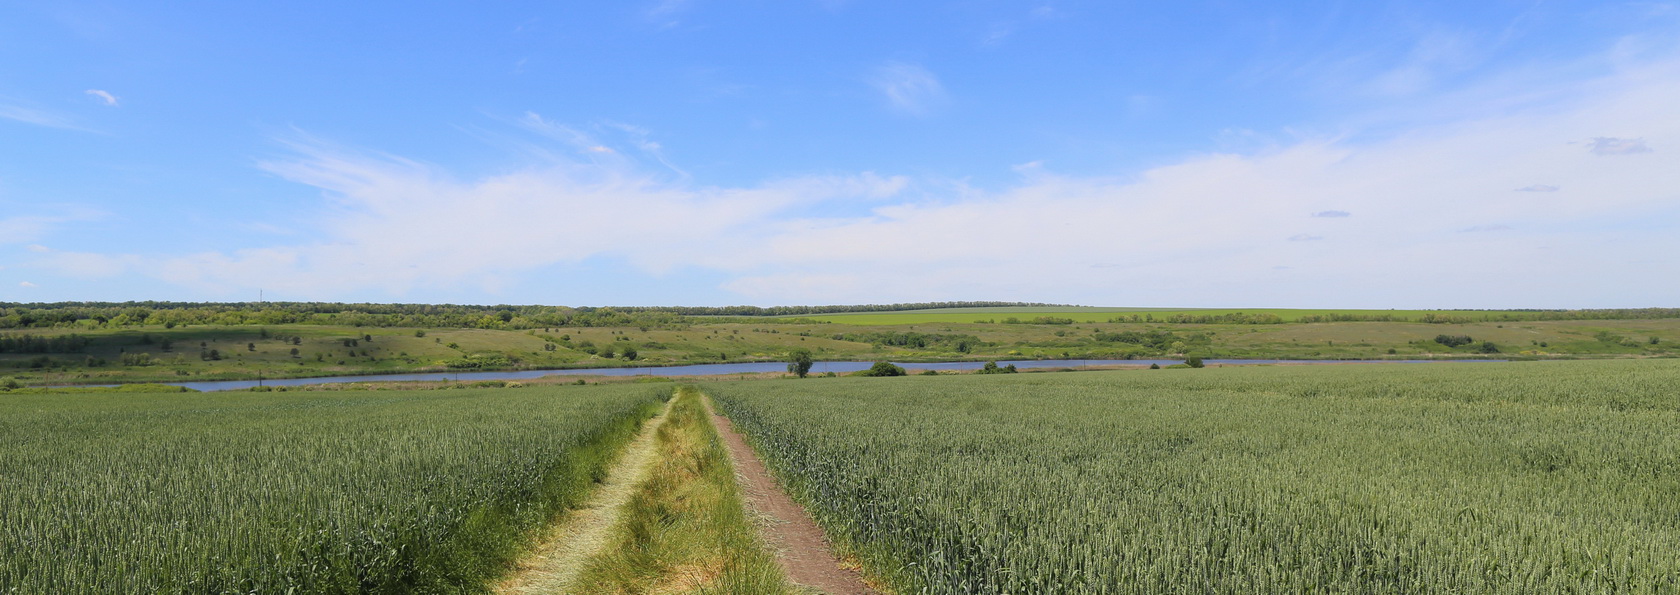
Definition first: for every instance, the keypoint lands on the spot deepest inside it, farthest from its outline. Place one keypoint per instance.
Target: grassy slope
(1093, 314)
(399, 350)
(685, 530)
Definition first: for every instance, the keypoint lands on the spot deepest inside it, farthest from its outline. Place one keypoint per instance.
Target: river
(839, 367)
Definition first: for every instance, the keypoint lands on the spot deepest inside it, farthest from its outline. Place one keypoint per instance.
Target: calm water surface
(743, 368)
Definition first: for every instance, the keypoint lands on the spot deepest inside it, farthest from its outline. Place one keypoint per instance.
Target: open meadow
(1470, 478)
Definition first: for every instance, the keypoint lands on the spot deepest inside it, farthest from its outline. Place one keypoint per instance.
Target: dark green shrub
(884, 369)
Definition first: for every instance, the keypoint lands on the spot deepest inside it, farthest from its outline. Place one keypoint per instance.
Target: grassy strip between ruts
(685, 530)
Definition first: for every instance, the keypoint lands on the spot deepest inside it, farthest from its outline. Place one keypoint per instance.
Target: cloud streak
(909, 88)
(38, 117)
(1605, 145)
(104, 97)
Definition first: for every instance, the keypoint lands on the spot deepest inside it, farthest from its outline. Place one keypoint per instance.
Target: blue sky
(1495, 154)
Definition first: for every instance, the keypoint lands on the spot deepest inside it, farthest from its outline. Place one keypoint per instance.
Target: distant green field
(1096, 314)
(1554, 477)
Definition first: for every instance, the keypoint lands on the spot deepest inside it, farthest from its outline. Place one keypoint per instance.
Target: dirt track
(799, 544)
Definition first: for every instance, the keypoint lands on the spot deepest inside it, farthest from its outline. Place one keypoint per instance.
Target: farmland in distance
(1525, 477)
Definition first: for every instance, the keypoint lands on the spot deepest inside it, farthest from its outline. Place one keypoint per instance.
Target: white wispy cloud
(1434, 54)
(1302, 237)
(26, 229)
(38, 117)
(398, 224)
(666, 13)
(26, 284)
(104, 97)
(1606, 145)
(909, 88)
(1332, 214)
(1538, 188)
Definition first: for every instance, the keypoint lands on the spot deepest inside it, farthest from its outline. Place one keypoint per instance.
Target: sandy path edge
(566, 546)
(798, 543)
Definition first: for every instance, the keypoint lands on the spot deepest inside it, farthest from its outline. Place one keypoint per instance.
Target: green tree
(630, 353)
(1194, 361)
(799, 362)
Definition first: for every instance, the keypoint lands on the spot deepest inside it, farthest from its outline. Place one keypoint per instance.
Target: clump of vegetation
(952, 342)
(1454, 340)
(883, 369)
(992, 368)
(1039, 320)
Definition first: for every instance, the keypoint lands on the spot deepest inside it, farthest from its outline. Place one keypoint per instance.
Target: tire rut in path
(799, 544)
(554, 565)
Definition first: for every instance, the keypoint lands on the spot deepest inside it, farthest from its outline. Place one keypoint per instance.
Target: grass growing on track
(388, 492)
(685, 530)
(1536, 477)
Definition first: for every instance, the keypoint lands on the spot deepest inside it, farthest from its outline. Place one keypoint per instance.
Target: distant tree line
(1039, 320)
(172, 314)
(38, 344)
(1428, 317)
(833, 309)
